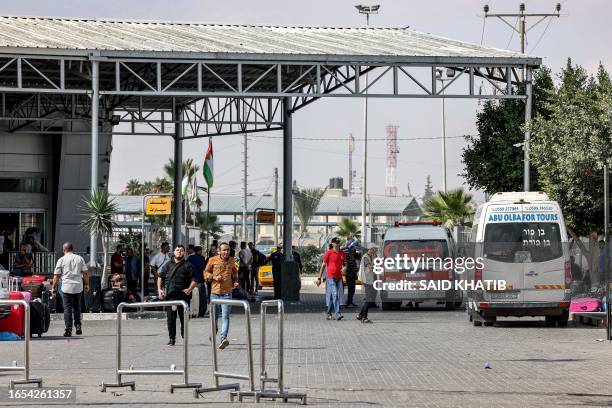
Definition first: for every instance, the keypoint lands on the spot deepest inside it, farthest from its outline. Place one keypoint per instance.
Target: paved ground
(424, 358)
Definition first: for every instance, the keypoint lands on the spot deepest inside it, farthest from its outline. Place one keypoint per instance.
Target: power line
(541, 35)
(369, 139)
(512, 33)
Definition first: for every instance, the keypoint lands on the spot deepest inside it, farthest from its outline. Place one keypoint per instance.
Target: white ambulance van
(520, 238)
(421, 239)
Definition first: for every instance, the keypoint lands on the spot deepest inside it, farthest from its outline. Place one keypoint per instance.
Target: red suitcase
(13, 323)
(33, 278)
(585, 305)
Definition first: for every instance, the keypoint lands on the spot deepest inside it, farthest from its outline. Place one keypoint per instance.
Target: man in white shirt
(158, 260)
(244, 273)
(72, 269)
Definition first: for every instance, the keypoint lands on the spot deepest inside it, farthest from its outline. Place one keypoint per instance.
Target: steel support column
(95, 101)
(528, 102)
(287, 179)
(178, 177)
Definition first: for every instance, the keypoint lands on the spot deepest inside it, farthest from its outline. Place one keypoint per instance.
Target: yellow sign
(159, 206)
(265, 217)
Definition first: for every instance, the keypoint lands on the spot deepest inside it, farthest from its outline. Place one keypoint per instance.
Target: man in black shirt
(276, 258)
(178, 281)
(352, 270)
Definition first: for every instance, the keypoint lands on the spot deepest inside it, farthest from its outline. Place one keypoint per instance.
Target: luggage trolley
(172, 371)
(281, 392)
(250, 377)
(26, 346)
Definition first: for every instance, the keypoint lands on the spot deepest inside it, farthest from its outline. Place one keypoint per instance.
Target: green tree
(306, 201)
(451, 208)
(133, 187)
(311, 258)
(570, 146)
(209, 226)
(348, 229)
(98, 212)
(493, 160)
(428, 194)
(161, 185)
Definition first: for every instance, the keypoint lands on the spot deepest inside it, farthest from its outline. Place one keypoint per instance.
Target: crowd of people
(228, 271)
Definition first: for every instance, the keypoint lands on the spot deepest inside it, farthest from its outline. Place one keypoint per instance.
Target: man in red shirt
(335, 263)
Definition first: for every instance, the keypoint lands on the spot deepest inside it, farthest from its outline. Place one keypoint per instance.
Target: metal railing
(43, 263)
(26, 353)
(172, 371)
(250, 377)
(280, 392)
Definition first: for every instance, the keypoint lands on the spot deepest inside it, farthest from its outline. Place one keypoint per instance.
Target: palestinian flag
(208, 164)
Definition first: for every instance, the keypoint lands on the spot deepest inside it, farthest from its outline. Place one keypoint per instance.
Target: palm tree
(209, 226)
(133, 187)
(148, 187)
(451, 208)
(162, 185)
(98, 211)
(348, 229)
(306, 201)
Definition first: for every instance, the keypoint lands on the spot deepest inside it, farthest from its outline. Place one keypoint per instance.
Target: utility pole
(245, 235)
(275, 206)
(351, 149)
(526, 74)
(367, 10)
(522, 27)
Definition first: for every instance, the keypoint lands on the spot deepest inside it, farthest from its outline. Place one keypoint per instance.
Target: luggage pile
(35, 290)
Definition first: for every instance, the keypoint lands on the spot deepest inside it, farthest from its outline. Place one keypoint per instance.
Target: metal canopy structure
(190, 80)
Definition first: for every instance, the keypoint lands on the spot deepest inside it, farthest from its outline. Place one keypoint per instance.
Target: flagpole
(207, 214)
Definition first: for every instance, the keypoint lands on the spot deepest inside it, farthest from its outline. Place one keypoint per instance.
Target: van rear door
(500, 249)
(542, 236)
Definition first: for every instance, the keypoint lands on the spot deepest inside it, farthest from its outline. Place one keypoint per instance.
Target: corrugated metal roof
(228, 204)
(110, 35)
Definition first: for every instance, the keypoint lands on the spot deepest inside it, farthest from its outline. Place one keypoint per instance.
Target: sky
(582, 33)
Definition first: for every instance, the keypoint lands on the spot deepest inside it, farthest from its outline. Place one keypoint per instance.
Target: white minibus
(520, 238)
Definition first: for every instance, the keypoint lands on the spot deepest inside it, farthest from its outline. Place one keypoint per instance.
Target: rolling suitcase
(14, 322)
(33, 278)
(35, 288)
(40, 317)
(195, 302)
(92, 300)
(110, 299)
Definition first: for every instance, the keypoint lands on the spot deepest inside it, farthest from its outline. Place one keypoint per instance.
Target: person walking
(258, 260)
(175, 282)
(197, 262)
(352, 270)
(72, 270)
(366, 274)
(221, 271)
(276, 258)
(334, 262)
(244, 271)
(159, 260)
(132, 274)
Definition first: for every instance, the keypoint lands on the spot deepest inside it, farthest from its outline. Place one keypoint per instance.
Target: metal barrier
(280, 392)
(172, 371)
(26, 354)
(213, 340)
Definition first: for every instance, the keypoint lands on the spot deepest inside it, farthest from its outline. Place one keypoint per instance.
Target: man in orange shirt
(222, 272)
(335, 260)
